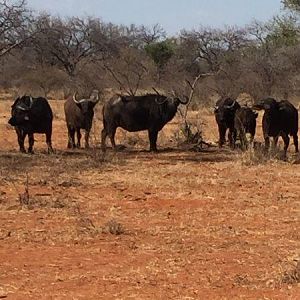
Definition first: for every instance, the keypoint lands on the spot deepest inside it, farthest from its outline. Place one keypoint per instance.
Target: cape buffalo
(79, 115)
(31, 115)
(135, 113)
(245, 122)
(279, 119)
(225, 109)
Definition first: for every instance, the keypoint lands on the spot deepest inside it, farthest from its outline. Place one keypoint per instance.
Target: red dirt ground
(136, 225)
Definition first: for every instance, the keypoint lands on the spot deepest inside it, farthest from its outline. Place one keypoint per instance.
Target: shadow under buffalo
(173, 155)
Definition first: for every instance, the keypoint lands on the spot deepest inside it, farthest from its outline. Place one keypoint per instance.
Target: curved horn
(161, 102)
(179, 100)
(232, 105)
(22, 108)
(94, 97)
(31, 101)
(184, 102)
(77, 101)
(74, 97)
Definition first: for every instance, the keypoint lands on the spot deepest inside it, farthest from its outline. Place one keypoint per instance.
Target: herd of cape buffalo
(151, 112)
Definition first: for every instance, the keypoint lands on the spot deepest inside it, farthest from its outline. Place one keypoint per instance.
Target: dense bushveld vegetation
(40, 53)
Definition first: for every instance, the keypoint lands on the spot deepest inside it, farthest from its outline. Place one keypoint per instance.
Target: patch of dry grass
(292, 276)
(113, 227)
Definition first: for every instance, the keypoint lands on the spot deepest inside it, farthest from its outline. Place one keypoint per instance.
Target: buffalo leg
(251, 140)
(222, 133)
(295, 138)
(243, 140)
(86, 138)
(111, 135)
(103, 139)
(21, 138)
(78, 138)
(275, 142)
(232, 138)
(71, 136)
(31, 142)
(49, 142)
(286, 141)
(153, 139)
(267, 143)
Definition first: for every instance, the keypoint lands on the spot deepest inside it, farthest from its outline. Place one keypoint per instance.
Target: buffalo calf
(245, 122)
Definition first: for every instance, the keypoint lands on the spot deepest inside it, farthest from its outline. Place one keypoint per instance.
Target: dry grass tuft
(113, 227)
(256, 155)
(24, 198)
(190, 135)
(292, 276)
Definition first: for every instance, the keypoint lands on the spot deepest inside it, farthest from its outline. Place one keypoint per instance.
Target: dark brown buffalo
(149, 112)
(225, 109)
(245, 122)
(31, 115)
(280, 119)
(79, 115)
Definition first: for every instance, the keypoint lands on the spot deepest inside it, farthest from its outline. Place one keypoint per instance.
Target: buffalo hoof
(119, 147)
(71, 145)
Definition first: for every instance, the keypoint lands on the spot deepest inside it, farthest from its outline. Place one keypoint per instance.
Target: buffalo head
(225, 109)
(20, 111)
(173, 98)
(87, 107)
(266, 104)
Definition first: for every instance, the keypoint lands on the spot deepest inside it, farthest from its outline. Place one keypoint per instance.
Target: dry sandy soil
(135, 225)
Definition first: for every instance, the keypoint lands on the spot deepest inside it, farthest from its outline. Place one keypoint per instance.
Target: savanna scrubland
(184, 223)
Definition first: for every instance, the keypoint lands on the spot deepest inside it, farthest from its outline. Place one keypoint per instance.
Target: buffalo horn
(230, 106)
(31, 101)
(94, 96)
(77, 101)
(22, 108)
(184, 102)
(161, 102)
